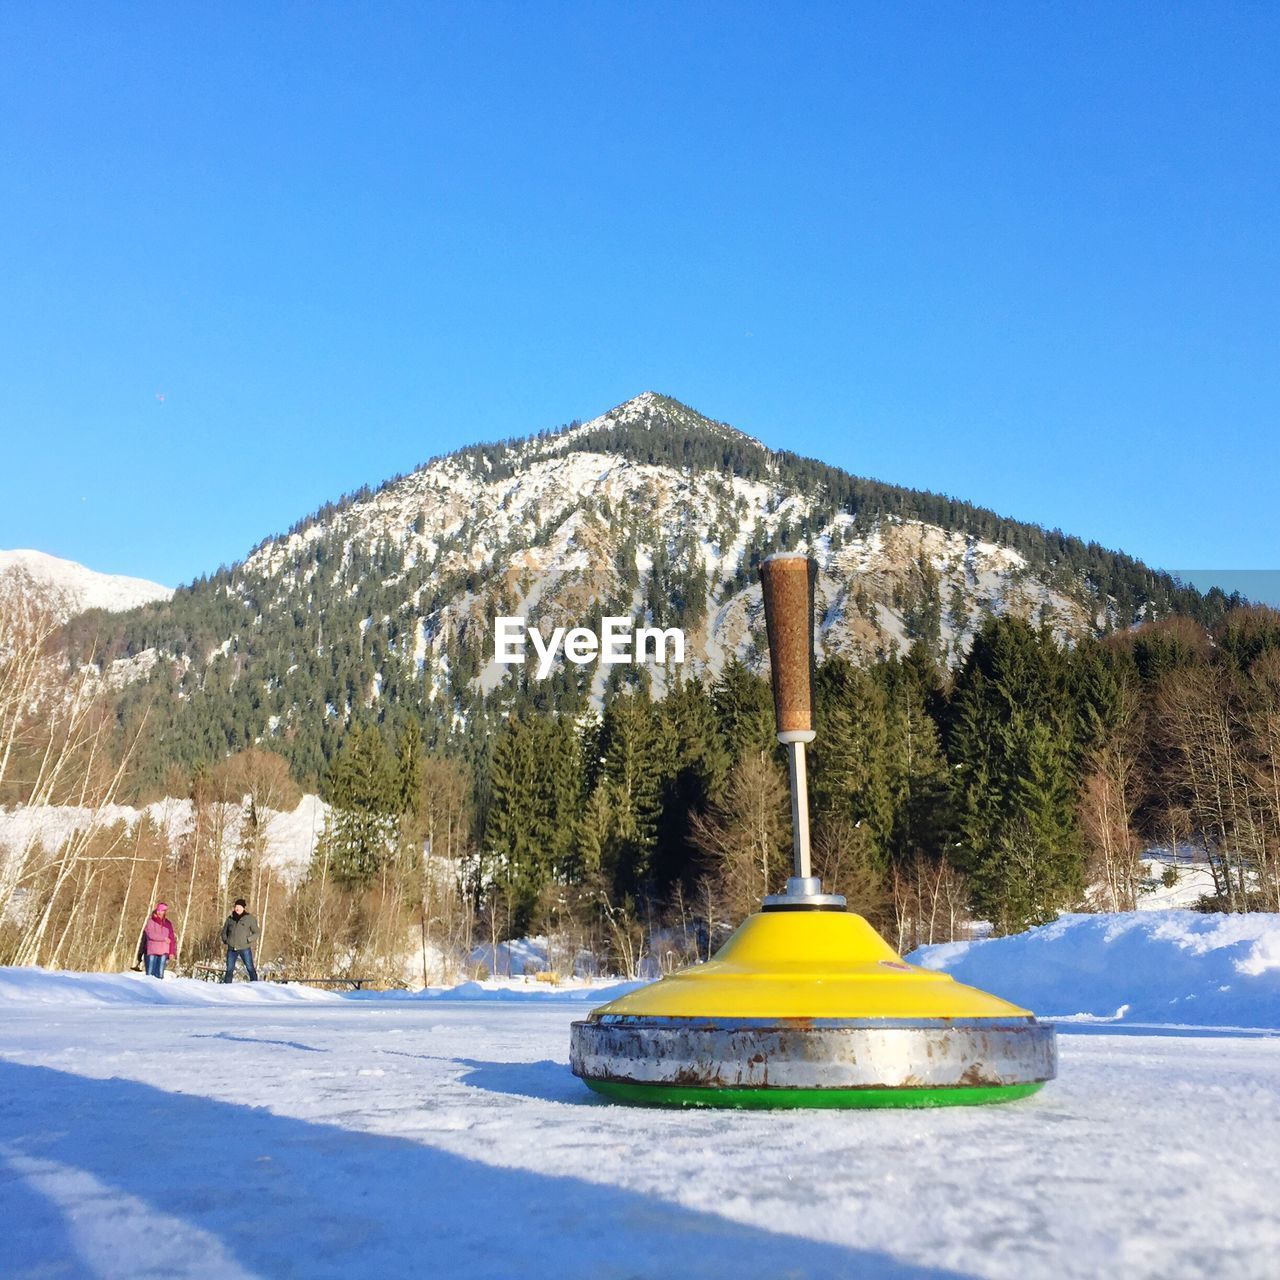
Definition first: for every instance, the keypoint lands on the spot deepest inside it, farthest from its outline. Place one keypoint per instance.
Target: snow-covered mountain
(70, 588)
(555, 524)
(385, 600)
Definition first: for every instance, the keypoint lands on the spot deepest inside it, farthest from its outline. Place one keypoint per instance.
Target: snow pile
(531, 956)
(21, 987)
(513, 989)
(516, 958)
(1178, 968)
(1173, 968)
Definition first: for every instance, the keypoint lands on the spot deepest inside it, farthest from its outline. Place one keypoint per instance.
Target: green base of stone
(661, 1095)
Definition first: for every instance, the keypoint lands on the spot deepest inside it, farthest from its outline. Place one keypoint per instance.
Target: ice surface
(333, 1137)
(186, 1129)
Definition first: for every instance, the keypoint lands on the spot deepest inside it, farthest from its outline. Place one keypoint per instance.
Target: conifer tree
(513, 816)
(851, 779)
(534, 805)
(697, 772)
(409, 768)
(919, 775)
(591, 835)
(636, 754)
(744, 709)
(1016, 776)
(364, 794)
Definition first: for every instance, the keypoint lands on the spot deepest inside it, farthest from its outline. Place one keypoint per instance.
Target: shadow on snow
(287, 1197)
(284, 1044)
(546, 1081)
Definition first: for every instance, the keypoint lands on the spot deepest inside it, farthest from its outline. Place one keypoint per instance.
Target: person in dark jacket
(158, 944)
(238, 936)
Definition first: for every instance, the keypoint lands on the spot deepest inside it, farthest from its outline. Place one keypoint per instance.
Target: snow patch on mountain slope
(72, 588)
(290, 836)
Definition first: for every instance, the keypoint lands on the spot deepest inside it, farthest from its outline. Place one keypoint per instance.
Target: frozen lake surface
(315, 1136)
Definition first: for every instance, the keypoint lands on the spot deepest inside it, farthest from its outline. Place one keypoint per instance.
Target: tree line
(1008, 790)
(1026, 781)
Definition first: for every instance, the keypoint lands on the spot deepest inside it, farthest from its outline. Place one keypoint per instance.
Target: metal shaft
(799, 809)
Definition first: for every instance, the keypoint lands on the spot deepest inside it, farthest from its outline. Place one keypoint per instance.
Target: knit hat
(162, 906)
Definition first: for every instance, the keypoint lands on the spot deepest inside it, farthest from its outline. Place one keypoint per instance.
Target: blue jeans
(155, 966)
(247, 956)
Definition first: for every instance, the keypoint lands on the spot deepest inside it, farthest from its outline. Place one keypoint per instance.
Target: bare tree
(845, 858)
(1262, 729)
(747, 834)
(1107, 804)
(1206, 774)
(930, 903)
(57, 746)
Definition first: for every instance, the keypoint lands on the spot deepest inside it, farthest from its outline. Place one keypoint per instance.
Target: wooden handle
(787, 580)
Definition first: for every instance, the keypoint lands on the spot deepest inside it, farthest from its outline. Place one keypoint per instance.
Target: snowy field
(179, 1129)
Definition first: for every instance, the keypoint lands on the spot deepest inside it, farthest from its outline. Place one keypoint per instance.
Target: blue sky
(256, 255)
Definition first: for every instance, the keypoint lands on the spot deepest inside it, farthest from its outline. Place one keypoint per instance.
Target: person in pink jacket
(158, 944)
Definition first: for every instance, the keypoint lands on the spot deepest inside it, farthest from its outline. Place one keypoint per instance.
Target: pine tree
(363, 792)
(1016, 774)
(744, 709)
(409, 768)
(534, 803)
(513, 816)
(636, 752)
(698, 769)
(850, 759)
(591, 836)
(919, 775)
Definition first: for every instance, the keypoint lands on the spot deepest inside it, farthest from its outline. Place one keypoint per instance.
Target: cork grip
(787, 580)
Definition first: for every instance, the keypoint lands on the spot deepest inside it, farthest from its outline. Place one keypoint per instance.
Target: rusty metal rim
(733, 1055)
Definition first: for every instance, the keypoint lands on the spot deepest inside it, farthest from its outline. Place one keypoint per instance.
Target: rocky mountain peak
(653, 412)
(383, 604)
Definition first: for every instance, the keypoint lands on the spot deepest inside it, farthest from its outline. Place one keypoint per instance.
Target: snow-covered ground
(260, 1131)
(1174, 881)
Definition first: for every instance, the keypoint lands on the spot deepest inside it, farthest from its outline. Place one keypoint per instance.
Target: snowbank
(529, 956)
(515, 958)
(1178, 968)
(60, 987)
(22, 987)
(1173, 968)
(597, 992)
